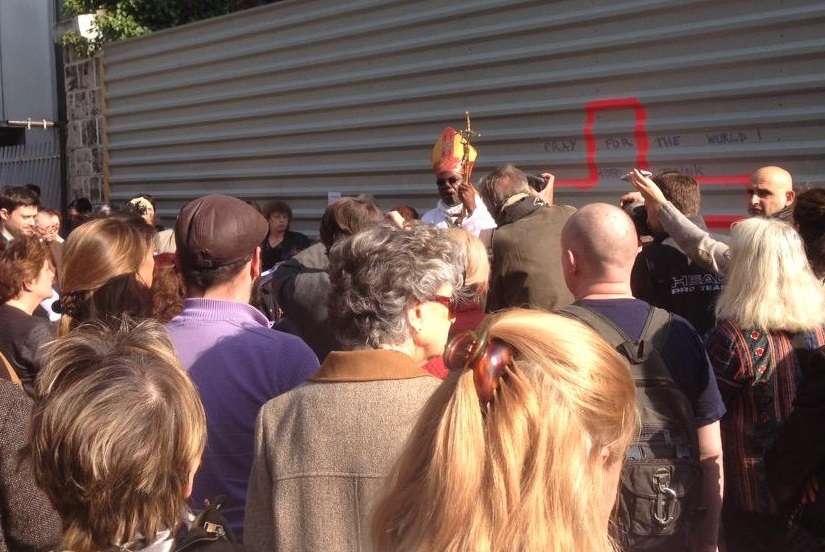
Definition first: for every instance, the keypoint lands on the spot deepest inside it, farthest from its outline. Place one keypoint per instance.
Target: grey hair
(770, 285)
(379, 272)
(502, 184)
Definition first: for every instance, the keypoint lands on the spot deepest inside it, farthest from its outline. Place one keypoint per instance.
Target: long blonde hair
(524, 472)
(770, 285)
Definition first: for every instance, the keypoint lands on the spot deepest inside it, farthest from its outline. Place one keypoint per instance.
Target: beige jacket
(323, 450)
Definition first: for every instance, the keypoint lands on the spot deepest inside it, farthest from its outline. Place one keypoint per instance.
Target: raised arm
(697, 244)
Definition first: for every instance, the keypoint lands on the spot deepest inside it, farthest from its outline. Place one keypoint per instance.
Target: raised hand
(649, 190)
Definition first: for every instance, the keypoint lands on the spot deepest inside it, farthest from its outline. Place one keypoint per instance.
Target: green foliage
(120, 19)
(81, 46)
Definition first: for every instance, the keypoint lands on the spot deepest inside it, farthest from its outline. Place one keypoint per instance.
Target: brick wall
(84, 139)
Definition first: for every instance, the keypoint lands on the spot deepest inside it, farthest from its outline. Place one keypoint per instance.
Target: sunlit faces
(436, 319)
(770, 190)
(149, 215)
(145, 208)
(448, 183)
(46, 226)
(20, 221)
(42, 284)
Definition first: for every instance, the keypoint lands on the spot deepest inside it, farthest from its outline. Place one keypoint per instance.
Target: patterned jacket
(758, 374)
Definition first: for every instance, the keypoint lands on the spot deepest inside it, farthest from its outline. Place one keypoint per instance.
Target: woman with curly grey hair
(324, 449)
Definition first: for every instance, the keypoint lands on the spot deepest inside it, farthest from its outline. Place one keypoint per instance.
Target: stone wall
(84, 138)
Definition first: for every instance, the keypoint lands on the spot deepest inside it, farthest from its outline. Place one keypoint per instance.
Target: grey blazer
(27, 520)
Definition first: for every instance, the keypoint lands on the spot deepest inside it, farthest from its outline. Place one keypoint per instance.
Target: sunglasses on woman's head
(447, 302)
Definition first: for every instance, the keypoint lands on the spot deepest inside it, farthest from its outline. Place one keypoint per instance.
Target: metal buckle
(665, 506)
(214, 528)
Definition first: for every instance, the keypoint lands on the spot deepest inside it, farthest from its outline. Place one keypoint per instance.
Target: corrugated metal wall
(307, 97)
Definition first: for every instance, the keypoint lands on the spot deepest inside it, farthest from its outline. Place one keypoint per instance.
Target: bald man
(599, 245)
(770, 194)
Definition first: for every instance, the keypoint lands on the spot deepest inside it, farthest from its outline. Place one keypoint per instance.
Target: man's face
(46, 226)
(448, 183)
(767, 197)
(19, 222)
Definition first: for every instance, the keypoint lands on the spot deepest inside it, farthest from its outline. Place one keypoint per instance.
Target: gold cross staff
(466, 134)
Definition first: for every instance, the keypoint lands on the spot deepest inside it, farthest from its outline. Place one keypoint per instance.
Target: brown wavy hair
(117, 430)
(20, 262)
(98, 277)
(168, 291)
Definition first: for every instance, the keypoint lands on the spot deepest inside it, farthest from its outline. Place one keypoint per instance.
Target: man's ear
(4, 214)
(255, 265)
(569, 262)
(789, 197)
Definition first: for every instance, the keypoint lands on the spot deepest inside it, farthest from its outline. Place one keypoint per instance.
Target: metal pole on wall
(61, 129)
(103, 139)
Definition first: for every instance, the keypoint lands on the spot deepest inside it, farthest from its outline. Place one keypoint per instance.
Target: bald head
(600, 245)
(770, 190)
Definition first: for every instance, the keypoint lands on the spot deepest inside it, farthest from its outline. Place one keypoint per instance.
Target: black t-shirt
(665, 277)
(292, 243)
(21, 339)
(684, 354)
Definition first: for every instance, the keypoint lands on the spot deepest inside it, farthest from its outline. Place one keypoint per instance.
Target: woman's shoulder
(725, 329)
(13, 401)
(298, 237)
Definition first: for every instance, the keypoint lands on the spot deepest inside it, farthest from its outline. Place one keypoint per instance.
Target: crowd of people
(500, 373)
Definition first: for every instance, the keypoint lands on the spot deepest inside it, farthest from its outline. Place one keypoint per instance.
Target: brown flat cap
(218, 230)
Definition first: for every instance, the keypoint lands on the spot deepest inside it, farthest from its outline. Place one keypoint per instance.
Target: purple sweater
(237, 363)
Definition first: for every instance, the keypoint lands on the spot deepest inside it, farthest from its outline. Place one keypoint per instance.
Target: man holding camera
(525, 269)
(662, 274)
(770, 194)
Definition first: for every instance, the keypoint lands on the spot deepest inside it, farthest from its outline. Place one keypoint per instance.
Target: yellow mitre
(448, 153)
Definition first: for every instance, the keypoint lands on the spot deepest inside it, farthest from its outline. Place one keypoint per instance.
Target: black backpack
(661, 479)
(208, 532)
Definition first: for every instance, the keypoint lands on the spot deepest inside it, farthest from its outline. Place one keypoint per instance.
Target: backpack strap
(655, 330)
(653, 337)
(596, 320)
